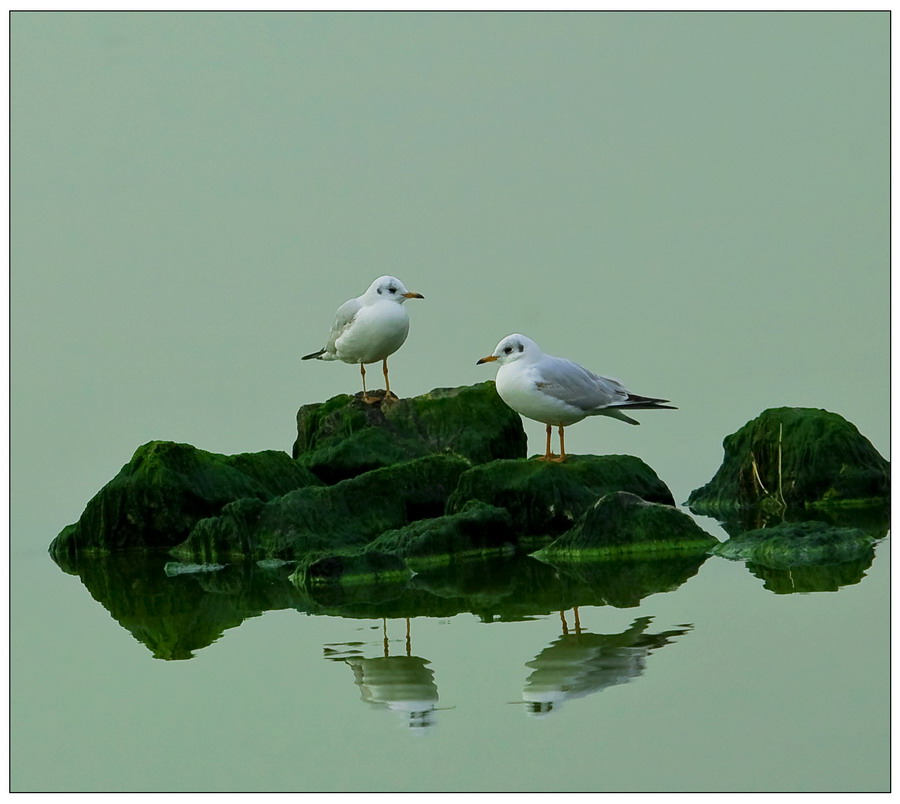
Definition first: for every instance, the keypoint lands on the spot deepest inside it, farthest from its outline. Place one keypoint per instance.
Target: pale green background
(695, 203)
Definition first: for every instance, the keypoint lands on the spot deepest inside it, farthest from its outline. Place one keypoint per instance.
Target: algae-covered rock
(345, 437)
(546, 498)
(797, 544)
(369, 566)
(158, 496)
(478, 529)
(794, 458)
(621, 523)
(333, 518)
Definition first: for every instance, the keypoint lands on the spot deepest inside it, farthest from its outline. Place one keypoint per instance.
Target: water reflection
(580, 663)
(402, 684)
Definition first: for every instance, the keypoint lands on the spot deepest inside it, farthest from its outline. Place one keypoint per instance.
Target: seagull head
(389, 288)
(511, 348)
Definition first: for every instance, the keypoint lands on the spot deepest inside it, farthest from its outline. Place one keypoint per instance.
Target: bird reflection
(402, 684)
(579, 663)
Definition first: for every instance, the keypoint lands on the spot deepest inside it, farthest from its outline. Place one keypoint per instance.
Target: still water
(671, 675)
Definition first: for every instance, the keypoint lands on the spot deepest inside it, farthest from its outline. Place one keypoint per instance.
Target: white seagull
(370, 328)
(557, 391)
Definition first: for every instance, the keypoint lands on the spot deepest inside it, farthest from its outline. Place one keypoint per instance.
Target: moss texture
(344, 437)
(166, 488)
(346, 515)
(797, 544)
(478, 529)
(545, 498)
(795, 458)
(622, 523)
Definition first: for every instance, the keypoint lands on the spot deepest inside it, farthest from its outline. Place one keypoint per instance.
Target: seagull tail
(313, 355)
(636, 402)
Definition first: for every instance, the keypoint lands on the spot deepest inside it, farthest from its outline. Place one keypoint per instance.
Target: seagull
(369, 328)
(557, 391)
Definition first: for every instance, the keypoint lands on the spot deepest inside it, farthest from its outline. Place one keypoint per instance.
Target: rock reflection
(402, 684)
(580, 663)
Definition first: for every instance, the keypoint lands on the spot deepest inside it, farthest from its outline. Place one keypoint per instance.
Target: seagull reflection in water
(402, 684)
(579, 663)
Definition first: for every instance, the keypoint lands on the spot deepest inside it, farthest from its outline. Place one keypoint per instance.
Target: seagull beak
(488, 359)
(413, 296)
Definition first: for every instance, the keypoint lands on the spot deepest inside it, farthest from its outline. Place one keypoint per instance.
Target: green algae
(789, 458)
(545, 498)
(345, 437)
(478, 529)
(797, 544)
(160, 494)
(348, 514)
(621, 523)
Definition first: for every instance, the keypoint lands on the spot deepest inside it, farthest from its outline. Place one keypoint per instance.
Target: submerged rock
(333, 518)
(795, 458)
(159, 495)
(478, 529)
(545, 498)
(344, 437)
(621, 523)
(797, 544)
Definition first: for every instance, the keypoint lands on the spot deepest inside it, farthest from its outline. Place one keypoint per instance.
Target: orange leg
(565, 625)
(387, 382)
(547, 456)
(562, 444)
(365, 396)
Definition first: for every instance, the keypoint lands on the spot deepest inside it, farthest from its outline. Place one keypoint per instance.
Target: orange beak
(413, 296)
(488, 359)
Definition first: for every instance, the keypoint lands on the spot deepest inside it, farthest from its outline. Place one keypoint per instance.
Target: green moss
(790, 458)
(621, 523)
(797, 544)
(166, 488)
(477, 530)
(347, 515)
(345, 437)
(545, 498)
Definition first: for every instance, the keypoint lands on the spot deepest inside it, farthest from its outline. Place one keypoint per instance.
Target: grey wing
(342, 319)
(575, 385)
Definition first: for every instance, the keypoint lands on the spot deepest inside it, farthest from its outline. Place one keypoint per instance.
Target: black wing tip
(313, 355)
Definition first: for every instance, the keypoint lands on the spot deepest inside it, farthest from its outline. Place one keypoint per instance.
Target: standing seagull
(557, 391)
(370, 328)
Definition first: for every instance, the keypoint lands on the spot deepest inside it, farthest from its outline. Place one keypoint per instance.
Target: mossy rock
(797, 544)
(344, 516)
(345, 437)
(166, 488)
(795, 458)
(478, 530)
(622, 523)
(364, 567)
(545, 498)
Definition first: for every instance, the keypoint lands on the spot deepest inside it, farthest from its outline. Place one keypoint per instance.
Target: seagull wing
(576, 386)
(342, 320)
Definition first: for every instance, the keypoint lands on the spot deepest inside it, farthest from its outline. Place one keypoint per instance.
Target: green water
(696, 204)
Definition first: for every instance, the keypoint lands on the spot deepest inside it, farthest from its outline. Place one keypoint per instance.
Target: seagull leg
(387, 383)
(562, 444)
(547, 456)
(365, 396)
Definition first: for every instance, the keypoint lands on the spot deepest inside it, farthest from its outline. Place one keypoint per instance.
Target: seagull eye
(392, 289)
(507, 350)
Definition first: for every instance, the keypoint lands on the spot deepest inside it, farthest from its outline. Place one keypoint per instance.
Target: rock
(344, 437)
(622, 523)
(336, 518)
(797, 544)
(545, 498)
(795, 458)
(158, 496)
(369, 566)
(818, 578)
(478, 529)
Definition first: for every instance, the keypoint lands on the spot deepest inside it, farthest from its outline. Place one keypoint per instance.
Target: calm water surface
(690, 674)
